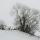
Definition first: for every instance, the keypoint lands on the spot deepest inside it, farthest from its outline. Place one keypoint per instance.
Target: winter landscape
(19, 20)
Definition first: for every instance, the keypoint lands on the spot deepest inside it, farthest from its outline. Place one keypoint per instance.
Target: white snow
(5, 8)
(16, 35)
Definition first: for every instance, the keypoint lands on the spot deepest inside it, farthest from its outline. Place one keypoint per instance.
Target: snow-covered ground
(16, 35)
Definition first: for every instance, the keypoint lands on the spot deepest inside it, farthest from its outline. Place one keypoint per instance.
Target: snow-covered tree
(26, 18)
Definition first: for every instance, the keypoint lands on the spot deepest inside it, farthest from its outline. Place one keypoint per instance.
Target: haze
(6, 6)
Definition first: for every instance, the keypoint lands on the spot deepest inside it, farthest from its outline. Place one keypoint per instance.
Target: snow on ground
(16, 35)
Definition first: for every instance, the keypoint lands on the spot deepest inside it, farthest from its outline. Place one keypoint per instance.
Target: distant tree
(2, 25)
(26, 20)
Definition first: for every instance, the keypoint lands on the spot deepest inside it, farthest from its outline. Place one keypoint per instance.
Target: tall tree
(25, 18)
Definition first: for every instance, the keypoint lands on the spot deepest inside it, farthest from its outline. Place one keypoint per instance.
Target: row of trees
(3, 26)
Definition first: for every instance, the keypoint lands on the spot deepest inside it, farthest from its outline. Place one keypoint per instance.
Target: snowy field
(16, 35)
(5, 8)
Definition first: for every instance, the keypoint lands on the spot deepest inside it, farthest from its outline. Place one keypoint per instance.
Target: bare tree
(25, 18)
(2, 25)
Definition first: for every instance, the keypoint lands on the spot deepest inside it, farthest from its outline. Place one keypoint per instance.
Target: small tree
(2, 25)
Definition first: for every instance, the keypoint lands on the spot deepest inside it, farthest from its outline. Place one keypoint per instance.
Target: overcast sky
(6, 5)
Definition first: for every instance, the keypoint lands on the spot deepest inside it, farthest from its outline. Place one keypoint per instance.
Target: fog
(6, 7)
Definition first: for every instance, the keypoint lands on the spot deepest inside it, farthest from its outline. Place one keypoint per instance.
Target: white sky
(6, 5)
